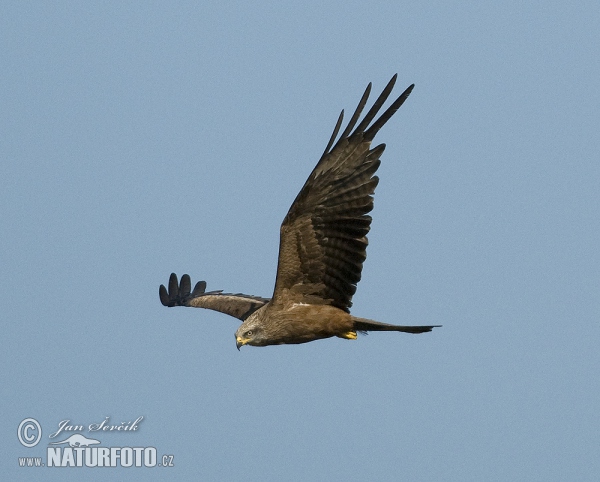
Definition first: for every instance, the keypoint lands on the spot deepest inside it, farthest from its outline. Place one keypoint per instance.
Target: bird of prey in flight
(323, 241)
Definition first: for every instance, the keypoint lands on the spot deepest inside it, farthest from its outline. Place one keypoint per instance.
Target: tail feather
(364, 325)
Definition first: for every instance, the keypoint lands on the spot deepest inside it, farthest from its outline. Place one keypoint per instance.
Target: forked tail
(364, 324)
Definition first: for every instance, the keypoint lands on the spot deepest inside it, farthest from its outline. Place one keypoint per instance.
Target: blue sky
(142, 139)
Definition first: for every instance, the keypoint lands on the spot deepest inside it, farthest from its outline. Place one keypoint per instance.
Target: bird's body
(318, 321)
(323, 241)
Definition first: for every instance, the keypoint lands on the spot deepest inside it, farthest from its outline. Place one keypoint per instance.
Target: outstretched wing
(180, 294)
(323, 238)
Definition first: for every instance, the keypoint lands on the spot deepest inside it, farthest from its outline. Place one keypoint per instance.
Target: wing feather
(238, 305)
(323, 238)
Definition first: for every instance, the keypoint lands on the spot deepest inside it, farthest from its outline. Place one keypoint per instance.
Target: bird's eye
(249, 333)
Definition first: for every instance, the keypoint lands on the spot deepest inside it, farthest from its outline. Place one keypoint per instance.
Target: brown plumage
(323, 241)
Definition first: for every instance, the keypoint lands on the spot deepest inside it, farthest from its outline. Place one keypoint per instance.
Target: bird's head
(249, 333)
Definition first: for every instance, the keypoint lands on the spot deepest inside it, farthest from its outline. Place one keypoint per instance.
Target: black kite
(323, 241)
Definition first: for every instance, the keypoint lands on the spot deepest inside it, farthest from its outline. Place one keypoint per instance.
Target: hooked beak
(239, 341)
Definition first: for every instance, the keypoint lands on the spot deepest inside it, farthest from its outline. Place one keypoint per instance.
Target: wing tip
(179, 291)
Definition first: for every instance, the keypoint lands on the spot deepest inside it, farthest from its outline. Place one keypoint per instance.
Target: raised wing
(180, 294)
(323, 238)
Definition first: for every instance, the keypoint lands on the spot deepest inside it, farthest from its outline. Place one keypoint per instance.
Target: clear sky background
(139, 139)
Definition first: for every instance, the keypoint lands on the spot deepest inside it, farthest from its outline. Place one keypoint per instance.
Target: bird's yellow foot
(350, 335)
